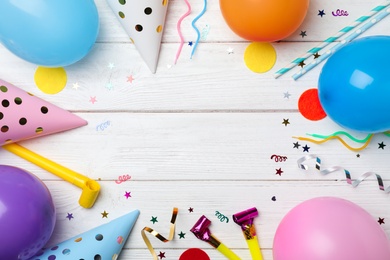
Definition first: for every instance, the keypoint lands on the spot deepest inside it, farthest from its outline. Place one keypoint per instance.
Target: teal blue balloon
(50, 33)
(354, 85)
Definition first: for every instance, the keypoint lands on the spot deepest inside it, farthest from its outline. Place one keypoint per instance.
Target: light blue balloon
(354, 85)
(51, 33)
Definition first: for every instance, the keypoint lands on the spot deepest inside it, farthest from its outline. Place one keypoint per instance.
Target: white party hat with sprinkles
(143, 20)
(103, 242)
(24, 116)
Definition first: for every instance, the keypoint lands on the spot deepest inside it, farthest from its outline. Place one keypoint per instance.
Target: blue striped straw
(331, 39)
(348, 39)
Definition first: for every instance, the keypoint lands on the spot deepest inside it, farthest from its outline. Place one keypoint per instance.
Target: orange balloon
(264, 20)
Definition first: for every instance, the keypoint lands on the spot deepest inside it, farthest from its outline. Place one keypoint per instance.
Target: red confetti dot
(309, 105)
(194, 254)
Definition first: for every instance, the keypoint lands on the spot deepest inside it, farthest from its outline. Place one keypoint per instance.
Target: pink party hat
(103, 242)
(144, 21)
(24, 116)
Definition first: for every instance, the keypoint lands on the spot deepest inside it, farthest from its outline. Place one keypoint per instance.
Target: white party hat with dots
(103, 242)
(144, 22)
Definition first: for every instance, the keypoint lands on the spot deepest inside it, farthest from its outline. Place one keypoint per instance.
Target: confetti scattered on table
(279, 171)
(190, 209)
(230, 50)
(92, 99)
(154, 220)
(381, 146)
(69, 216)
(287, 95)
(76, 86)
(273, 198)
(296, 145)
(260, 57)
(306, 148)
(130, 79)
(104, 214)
(301, 164)
(221, 217)
(278, 158)
(181, 235)
(158, 235)
(194, 254)
(50, 80)
(381, 221)
(127, 194)
(321, 13)
(310, 106)
(161, 255)
(286, 121)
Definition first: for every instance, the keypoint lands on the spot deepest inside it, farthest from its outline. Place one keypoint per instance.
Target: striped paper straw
(331, 39)
(348, 39)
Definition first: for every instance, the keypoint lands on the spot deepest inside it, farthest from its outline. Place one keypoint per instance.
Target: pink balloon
(329, 228)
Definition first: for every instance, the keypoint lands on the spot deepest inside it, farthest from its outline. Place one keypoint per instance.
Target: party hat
(24, 116)
(143, 20)
(103, 242)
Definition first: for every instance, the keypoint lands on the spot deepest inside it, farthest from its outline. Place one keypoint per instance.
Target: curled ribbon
(349, 180)
(221, 217)
(158, 235)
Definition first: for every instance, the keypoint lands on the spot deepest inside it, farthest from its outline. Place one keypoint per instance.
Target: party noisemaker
(245, 220)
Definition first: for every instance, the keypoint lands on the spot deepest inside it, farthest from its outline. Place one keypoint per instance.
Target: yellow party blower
(90, 188)
(201, 231)
(245, 220)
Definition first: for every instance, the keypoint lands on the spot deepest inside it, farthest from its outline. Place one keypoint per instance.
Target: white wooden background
(196, 134)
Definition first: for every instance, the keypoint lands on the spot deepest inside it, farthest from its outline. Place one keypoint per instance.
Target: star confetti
(181, 234)
(92, 99)
(154, 220)
(76, 86)
(111, 65)
(69, 216)
(321, 13)
(279, 171)
(130, 79)
(302, 64)
(296, 145)
(230, 50)
(273, 198)
(381, 146)
(190, 43)
(303, 34)
(104, 214)
(190, 209)
(127, 194)
(381, 221)
(161, 255)
(316, 55)
(305, 148)
(358, 155)
(287, 95)
(286, 122)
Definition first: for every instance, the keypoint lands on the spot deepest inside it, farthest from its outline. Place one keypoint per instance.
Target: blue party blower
(103, 242)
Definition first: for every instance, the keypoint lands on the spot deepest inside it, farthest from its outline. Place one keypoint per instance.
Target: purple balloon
(27, 214)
